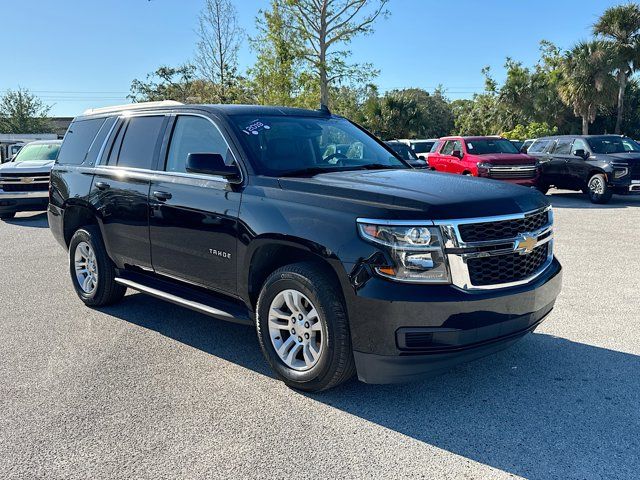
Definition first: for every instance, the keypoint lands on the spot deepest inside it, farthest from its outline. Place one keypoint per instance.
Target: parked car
(526, 144)
(24, 181)
(362, 266)
(421, 147)
(518, 144)
(598, 165)
(408, 155)
(489, 157)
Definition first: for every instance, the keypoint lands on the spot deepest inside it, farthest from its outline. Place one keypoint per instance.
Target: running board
(213, 307)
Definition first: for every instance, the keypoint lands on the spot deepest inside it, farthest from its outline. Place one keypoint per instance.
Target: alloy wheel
(596, 185)
(295, 329)
(86, 267)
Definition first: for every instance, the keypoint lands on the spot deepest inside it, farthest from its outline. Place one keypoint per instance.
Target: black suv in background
(342, 263)
(598, 165)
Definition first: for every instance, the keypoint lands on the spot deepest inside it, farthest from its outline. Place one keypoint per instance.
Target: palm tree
(621, 25)
(587, 84)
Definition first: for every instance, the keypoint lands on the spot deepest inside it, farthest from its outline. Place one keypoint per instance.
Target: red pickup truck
(489, 157)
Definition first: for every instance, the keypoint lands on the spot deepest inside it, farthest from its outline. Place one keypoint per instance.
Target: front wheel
(92, 271)
(599, 191)
(303, 329)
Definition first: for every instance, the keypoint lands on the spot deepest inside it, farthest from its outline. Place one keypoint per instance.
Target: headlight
(620, 172)
(416, 252)
(485, 165)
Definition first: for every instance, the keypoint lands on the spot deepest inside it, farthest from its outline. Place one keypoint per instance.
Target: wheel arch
(77, 215)
(268, 253)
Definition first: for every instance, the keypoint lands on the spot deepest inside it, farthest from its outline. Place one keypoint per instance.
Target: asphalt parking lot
(145, 389)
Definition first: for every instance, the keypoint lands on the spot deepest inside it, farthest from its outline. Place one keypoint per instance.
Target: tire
(328, 330)
(7, 215)
(102, 290)
(599, 192)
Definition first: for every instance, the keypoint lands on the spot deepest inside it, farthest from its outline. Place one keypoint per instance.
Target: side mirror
(211, 164)
(457, 153)
(581, 153)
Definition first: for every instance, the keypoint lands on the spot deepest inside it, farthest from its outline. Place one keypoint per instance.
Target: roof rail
(131, 106)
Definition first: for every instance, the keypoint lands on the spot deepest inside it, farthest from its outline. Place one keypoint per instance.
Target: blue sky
(78, 54)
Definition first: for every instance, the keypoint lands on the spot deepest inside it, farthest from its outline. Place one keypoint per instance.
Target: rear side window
(194, 135)
(538, 146)
(139, 142)
(77, 141)
(563, 147)
(98, 142)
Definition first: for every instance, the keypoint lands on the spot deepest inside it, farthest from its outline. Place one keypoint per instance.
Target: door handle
(102, 186)
(162, 196)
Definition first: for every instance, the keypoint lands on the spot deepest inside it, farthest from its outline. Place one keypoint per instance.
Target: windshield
(606, 145)
(38, 151)
(403, 151)
(281, 145)
(492, 145)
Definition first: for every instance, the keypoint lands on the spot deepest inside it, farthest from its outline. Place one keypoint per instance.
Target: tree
(532, 130)
(621, 25)
(217, 50)
(276, 75)
(325, 24)
(587, 85)
(23, 112)
(172, 83)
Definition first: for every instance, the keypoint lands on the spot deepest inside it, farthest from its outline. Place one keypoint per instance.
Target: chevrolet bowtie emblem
(27, 179)
(525, 244)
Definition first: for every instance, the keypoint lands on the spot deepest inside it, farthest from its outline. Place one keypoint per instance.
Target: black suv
(344, 262)
(599, 165)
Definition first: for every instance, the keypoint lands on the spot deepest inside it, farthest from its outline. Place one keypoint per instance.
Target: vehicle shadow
(546, 408)
(38, 220)
(580, 200)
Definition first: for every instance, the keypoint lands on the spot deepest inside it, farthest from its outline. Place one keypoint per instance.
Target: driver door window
(448, 147)
(578, 144)
(194, 135)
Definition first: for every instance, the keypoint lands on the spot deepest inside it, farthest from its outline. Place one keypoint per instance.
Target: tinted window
(492, 145)
(538, 146)
(403, 151)
(563, 146)
(96, 146)
(115, 147)
(435, 147)
(611, 144)
(77, 141)
(422, 147)
(194, 135)
(139, 142)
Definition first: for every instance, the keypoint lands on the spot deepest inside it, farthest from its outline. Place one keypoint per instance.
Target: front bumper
(23, 201)
(401, 332)
(628, 187)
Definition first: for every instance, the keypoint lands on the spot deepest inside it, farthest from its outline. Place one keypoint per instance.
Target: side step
(194, 299)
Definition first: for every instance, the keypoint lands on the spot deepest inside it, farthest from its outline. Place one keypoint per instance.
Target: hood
(27, 167)
(414, 194)
(631, 158)
(507, 158)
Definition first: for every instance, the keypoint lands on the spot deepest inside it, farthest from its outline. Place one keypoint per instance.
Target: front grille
(507, 268)
(635, 171)
(512, 172)
(25, 187)
(503, 230)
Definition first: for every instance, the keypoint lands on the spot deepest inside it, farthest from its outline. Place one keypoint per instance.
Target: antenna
(324, 109)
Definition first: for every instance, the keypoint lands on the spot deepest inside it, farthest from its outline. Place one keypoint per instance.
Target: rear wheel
(599, 191)
(7, 215)
(303, 329)
(92, 271)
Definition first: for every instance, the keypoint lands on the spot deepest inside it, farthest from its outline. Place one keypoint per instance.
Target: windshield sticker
(470, 146)
(255, 127)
